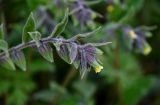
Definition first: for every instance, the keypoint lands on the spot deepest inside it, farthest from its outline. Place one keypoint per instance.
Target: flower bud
(19, 59)
(46, 51)
(7, 63)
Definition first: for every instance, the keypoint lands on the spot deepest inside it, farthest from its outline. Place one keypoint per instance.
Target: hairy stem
(31, 44)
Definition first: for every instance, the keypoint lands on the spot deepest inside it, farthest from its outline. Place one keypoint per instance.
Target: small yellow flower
(132, 34)
(110, 8)
(147, 50)
(98, 69)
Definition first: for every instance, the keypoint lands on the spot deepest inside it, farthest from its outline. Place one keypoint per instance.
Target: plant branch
(31, 44)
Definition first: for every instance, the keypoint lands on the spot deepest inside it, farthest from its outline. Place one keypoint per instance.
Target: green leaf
(85, 34)
(4, 47)
(30, 26)
(63, 52)
(99, 44)
(45, 96)
(1, 31)
(36, 36)
(137, 90)
(17, 97)
(61, 26)
(85, 88)
(130, 13)
(57, 88)
(49, 95)
(4, 86)
(90, 3)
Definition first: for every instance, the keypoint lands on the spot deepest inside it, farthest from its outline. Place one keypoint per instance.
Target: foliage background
(128, 78)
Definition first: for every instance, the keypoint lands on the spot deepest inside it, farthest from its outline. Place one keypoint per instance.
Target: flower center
(147, 50)
(98, 69)
(132, 34)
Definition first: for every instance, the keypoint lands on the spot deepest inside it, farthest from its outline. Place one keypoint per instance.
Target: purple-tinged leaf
(72, 52)
(64, 53)
(46, 51)
(7, 63)
(19, 59)
(84, 68)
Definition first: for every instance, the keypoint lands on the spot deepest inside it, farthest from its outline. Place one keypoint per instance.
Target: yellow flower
(110, 8)
(132, 34)
(147, 50)
(98, 69)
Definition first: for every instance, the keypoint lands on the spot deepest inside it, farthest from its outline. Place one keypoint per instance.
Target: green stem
(31, 44)
(6, 99)
(69, 76)
(118, 79)
(65, 82)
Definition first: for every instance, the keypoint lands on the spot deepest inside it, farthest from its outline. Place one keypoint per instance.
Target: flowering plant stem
(118, 86)
(31, 44)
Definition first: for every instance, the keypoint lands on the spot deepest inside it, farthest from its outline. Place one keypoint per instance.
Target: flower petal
(84, 66)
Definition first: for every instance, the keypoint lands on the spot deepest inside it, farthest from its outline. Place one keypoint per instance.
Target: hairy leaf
(4, 46)
(64, 53)
(46, 51)
(72, 52)
(85, 34)
(19, 59)
(36, 36)
(99, 44)
(30, 26)
(7, 63)
(61, 26)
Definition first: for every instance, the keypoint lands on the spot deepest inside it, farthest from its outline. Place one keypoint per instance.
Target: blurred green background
(128, 77)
